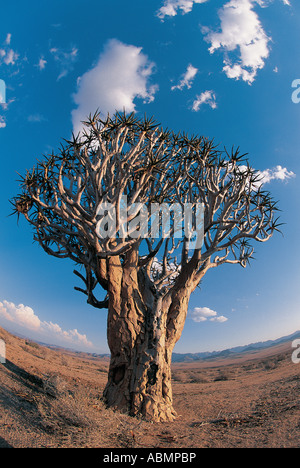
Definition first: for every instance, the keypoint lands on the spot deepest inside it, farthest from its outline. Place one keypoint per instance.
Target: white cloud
(201, 314)
(24, 318)
(70, 336)
(171, 7)
(240, 31)
(23, 315)
(120, 76)
(207, 97)
(204, 312)
(8, 56)
(8, 39)
(157, 267)
(65, 60)
(219, 319)
(187, 78)
(267, 175)
(42, 63)
(277, 173)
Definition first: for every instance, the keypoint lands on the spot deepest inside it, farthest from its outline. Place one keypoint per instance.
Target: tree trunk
(139, 382)
(139, 379)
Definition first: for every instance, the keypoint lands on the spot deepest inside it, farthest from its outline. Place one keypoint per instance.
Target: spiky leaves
(124, 155)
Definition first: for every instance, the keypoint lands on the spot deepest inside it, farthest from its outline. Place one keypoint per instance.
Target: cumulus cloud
(220, 319)
(121, 75)
(172, 7)
(187, 78)
(23, 315)
(201, 314)
(207, 97)
(241, 35)
(276, 173)
(25, 319)
(267, 175)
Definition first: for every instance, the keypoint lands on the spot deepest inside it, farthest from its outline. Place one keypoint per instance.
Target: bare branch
(125, 158)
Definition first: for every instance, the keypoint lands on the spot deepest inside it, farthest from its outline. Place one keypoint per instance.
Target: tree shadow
(30, 381)
(18, 402)
(4, 444)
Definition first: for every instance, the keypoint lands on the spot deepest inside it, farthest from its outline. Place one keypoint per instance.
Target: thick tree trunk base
(141, 387)
(142, 330)
(150, 410)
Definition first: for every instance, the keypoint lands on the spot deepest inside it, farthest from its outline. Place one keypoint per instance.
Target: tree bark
(139, 379)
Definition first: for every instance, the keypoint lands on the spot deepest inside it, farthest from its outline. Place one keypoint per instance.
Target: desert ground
(51, 398)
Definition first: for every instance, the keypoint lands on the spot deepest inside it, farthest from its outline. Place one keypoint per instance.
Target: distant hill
(190, 357)
(186, 357)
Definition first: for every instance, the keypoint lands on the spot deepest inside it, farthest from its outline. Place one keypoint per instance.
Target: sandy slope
(52, 398)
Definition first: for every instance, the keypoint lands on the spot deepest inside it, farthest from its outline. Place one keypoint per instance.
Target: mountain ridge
(185, 357)
(206, 355)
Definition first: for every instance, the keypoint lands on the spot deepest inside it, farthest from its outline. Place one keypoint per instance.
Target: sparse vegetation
(224, 374)
(32, 344)
(45, 403)
(66, 408)
(197, 377)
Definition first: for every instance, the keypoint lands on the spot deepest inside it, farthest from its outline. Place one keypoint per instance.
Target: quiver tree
(147, 281)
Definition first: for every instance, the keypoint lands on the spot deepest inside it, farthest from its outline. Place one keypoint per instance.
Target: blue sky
(219, 68)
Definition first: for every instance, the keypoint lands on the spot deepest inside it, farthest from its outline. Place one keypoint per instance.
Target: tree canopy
(124, 155)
